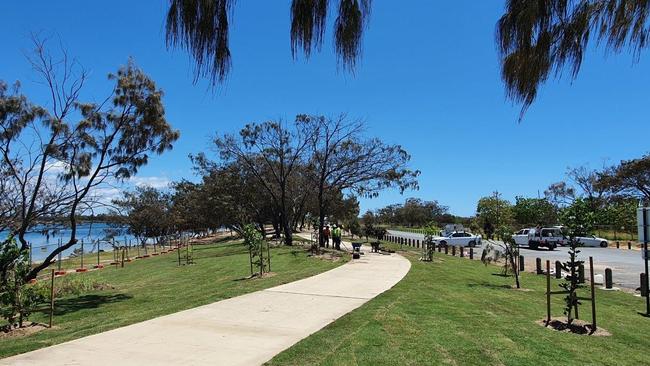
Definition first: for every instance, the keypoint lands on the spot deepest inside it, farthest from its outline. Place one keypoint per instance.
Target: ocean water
(92, 235)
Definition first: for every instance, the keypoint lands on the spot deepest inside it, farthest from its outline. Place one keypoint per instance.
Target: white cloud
(55, 167)
(154, 182)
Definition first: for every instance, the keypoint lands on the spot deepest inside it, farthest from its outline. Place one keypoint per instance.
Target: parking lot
(626, 264)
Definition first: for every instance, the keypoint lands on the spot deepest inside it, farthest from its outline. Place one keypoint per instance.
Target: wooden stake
(593, 294)
(82, 253)
(548, 292)
(178, 250)
(51, 298)
(268, 254)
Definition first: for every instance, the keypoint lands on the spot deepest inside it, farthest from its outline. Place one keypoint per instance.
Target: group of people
(335, 233)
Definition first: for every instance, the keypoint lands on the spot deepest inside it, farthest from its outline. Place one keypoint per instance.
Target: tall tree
(344, 160)
(203, 28)
(55, 165)
(538, 38)
(560, 194)
(232, 197)
(629, 178)
(273, 153)
(147, 213)
(493, 212)
(534, 211)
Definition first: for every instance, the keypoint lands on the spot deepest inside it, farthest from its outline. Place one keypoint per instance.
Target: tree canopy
(203, 28)
(541, 38)
(54, 161)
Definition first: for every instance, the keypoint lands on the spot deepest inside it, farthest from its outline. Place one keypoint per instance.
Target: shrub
(17, 299)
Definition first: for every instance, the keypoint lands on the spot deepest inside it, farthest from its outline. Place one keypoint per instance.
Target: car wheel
(471, 244)
(532, 246)
(443, 243)
(603, 244)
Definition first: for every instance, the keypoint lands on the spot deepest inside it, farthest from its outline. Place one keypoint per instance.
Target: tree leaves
(202, 28)
(541, 37)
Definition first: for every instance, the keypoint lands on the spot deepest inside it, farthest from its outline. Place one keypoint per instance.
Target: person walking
(336, 237)
(326, 236)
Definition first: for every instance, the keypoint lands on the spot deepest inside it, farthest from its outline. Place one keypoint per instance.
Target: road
(626, 264)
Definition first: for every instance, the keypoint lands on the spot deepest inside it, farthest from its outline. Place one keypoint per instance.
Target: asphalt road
(626, 264)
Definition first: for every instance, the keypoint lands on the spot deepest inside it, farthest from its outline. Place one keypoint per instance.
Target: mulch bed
(27, 329)
(578, 326)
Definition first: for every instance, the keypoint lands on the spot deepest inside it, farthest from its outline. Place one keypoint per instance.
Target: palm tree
(201, 27)
(538, 37)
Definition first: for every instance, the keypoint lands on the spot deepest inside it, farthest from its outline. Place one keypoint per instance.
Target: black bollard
(538, 266)
(471, 253)
(608, 278)
(417, 242)
(521, 263)
(644, 286)
(581, 273)
(446, 249)
(629, 245)
(462, 252)
(453, 250)
(618, 244)
(439, 248)
(558, 269)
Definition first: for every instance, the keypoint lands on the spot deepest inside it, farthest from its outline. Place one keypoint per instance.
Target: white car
(592, 241)
(460, 239)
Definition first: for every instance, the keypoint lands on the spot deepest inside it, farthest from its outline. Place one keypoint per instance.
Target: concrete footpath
(245, 330)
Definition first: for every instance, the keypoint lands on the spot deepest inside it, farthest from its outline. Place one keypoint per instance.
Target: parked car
(548, 237)
(592, 241)
(459, 238)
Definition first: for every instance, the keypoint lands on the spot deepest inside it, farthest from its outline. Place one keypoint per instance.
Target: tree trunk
(288, 232)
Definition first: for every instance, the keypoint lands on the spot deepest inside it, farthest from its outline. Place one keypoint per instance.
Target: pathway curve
(244, 330)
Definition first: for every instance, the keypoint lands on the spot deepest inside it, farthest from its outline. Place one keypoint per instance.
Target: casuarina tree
(202, 27)
(55, 160)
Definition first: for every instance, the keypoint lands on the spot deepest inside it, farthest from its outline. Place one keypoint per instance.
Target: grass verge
(454, 311)
(157, 286)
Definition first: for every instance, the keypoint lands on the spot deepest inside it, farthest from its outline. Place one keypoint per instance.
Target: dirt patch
(579, 327)
(256, 276)
(328, 256)
(25, 330)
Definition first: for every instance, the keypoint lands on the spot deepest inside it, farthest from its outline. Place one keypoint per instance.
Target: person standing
(326, 236)
(336, 237)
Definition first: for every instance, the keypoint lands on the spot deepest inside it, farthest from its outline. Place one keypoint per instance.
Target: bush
(254, 240)
(17, 299)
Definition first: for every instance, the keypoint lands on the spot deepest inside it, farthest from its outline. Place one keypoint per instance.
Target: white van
(548, 237)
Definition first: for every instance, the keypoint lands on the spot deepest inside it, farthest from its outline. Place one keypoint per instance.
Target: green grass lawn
(156, 286)
(457, 312)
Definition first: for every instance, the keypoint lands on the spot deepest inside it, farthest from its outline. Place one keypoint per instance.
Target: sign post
(642, 220)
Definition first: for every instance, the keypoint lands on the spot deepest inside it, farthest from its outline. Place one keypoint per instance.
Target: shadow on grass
(293, 252)
(490, 286)
(72, 304)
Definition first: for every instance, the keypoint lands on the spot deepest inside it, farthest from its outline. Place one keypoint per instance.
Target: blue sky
(429, 80)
